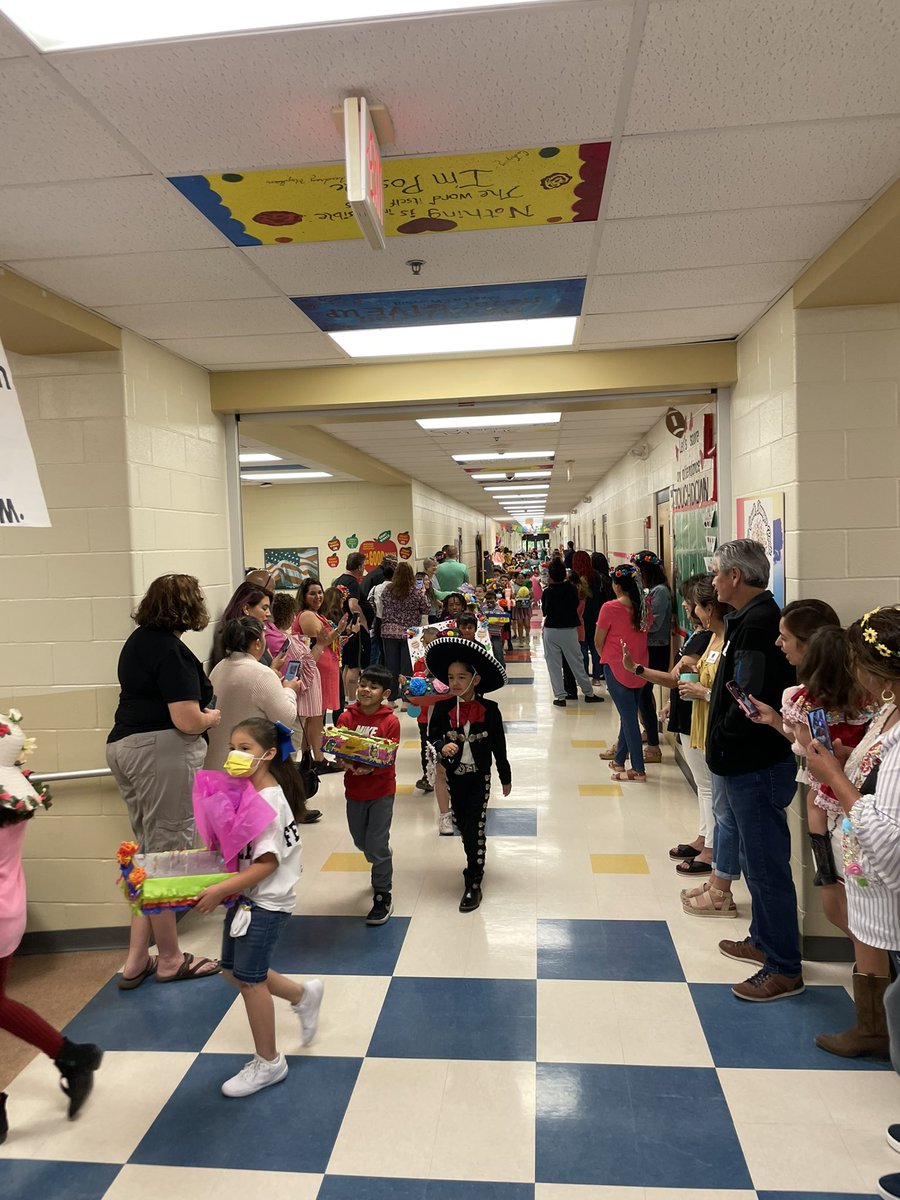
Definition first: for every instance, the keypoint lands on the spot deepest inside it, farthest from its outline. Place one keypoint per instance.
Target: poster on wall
(762, 519)
(292, 564)
(21, 496)
(695, 520)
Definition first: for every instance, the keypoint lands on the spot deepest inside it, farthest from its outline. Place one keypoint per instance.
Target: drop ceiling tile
(451, 260)
(705, 64)
(724, 322)
(110, 216)
(211, 318)
(711, 239)
(690, 289)
(280, 347)
(12, 43)
(825, 161)
(45, 135)
(149, 278)
(451, 83)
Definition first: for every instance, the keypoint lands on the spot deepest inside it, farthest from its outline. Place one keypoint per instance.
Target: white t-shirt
(281, 838)
(376, 597)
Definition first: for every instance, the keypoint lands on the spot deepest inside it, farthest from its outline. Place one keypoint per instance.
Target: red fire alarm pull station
(648, 522)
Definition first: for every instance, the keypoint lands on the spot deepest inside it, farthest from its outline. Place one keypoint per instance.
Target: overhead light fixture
(61, 25)
(516, 475)
(504, 455)
(499, 488)
(259, 458)
(492, 422)
(276, 476)
(473, 337)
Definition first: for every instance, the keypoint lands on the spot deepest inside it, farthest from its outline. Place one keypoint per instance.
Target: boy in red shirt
(370, 790)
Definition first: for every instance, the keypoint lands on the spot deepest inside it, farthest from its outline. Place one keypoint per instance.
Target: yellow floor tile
(599, 789)
(412, 744)
(619, 864)
(405, 789)
(587, 744)
(351, 861)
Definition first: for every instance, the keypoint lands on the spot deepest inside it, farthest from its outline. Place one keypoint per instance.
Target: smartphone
(746, 704)
(420, 584)
(214, 702)
(285, 645)
(818, 727)
(293, 670)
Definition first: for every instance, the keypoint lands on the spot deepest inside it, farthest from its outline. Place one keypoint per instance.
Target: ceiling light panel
(518, 475)
(259, 458)
(503, 456)
(474, 337)
(276, 476)
(492, 422)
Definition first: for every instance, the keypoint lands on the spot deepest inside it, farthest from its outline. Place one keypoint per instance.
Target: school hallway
(574, 1039)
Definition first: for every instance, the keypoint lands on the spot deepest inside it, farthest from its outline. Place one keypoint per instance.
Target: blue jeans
(626, 701)
(248, 957)
(726, 839)
(759, 801)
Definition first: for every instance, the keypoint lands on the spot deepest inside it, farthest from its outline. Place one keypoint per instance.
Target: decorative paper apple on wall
(405, 552)
(334, 544)
(403, 539)
(377, 549)
(352, 541)
(332, 560)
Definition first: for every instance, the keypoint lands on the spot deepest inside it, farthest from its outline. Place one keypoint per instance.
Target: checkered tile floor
(575, 1039)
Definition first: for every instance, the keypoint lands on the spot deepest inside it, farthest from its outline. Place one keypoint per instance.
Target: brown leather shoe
(765, 985)
(869, 1036)
(743, 951)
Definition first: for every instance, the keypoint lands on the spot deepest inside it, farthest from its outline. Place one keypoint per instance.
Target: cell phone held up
(746, 705)
(818, 727)
(292, 671)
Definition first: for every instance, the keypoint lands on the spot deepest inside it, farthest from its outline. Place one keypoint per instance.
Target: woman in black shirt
(559, 604)
(156, 747)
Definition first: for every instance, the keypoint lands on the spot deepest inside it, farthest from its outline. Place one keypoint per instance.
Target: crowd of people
(754, 691)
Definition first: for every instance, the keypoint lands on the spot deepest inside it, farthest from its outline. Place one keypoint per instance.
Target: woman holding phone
(403, 605)
(324, 638)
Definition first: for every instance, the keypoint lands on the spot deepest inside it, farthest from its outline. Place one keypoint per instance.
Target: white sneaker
(307, 1009)
(255, 1075)
(445, 824)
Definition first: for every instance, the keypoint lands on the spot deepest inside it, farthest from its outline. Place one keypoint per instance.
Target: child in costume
(466, 732)
(268, 870)
(18, 803)
(495, 628)
(370, 790)
(425, 703)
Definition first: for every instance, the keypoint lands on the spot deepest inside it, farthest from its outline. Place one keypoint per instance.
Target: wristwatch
(639, 670)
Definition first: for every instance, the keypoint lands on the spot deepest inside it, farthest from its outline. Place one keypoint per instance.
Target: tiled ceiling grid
(746, 136)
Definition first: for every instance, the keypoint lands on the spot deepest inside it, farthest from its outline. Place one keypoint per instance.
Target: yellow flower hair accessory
(870, 635)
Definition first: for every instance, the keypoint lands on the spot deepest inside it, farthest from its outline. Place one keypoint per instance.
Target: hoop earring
(887, 697)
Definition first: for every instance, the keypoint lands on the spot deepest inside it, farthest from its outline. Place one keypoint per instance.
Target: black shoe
(560, 703)
(77, 1064)
(594, 699)
(4, 1123)
(381, 909)
(324, 767)
(889, 1186)
(471, 898)
(312, 815)
(422, 784)
(893, 1137)
(571, 695)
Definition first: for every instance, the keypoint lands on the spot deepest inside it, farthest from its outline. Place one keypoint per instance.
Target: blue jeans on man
(759, 801)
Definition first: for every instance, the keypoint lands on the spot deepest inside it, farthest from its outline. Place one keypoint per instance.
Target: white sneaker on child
(445, 824)
(307, 1009)
(255, 1075)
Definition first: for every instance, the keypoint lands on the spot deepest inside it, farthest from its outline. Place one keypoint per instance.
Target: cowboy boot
(869, 1036)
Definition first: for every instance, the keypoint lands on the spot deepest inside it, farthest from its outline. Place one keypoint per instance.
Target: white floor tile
(199, 1183)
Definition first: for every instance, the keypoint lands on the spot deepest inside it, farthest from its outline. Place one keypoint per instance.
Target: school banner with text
(694, 500)
(21, 496)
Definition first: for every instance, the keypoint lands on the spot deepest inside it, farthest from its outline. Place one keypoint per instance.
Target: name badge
(713, 656)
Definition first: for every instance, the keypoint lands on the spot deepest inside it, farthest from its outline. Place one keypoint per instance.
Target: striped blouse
(872, 845)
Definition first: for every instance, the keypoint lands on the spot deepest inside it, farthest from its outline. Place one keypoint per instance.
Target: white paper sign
(21, 496)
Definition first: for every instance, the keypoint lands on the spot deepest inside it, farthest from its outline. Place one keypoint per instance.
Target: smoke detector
(642, 451)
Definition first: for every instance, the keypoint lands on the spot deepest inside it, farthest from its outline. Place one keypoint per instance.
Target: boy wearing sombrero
(466, 732)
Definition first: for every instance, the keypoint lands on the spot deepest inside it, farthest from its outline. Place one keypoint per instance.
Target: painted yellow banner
(506, 189)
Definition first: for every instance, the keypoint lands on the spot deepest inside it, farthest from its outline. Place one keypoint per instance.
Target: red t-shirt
(381, 781)
(616, 619)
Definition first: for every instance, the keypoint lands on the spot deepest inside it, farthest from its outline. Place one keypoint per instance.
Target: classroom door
(664, 531)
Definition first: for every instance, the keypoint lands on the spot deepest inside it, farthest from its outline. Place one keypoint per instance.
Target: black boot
(77, 1064)
(824, 860)
(471, 898)
(4, 1123)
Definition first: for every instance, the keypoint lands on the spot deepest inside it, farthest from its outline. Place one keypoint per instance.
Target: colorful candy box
(367, 751)
(168, 880)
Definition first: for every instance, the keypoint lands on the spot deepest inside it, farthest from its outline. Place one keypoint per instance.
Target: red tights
(23, 1022)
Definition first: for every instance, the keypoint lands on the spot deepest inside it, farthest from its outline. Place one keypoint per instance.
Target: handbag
(308, 774)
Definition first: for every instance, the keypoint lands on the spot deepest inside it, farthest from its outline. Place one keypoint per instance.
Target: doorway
(664, 531)
(605, 537)
(479, 560)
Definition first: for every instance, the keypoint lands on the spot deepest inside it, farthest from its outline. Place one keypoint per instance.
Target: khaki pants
(155, 773)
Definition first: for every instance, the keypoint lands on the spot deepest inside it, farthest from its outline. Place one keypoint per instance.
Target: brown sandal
(608, 755)
(711, 903)
(624, 776)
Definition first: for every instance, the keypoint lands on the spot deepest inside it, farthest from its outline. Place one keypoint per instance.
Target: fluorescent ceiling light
(516, 475)
(275, 476)
(59, 24)
(494, 422)
(505, 455)
(259, 458)
(473, 337)
(499, 488)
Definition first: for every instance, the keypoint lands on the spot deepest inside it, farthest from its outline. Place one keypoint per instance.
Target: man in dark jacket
(758, 769)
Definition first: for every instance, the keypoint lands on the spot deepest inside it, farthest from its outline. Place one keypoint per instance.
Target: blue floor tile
(74, 1180)
(626, 1126)
(637, 950)
(813, 1195)
(291, 1126)
(155, 1016)
(353, 1187)
(509, 822)
(457, 1018)
(741, 1034)
(339, 946)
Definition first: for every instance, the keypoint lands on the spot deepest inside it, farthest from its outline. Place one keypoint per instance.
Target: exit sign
(365, 190)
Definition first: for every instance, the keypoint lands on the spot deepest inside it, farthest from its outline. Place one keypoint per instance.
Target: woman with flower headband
(19, 801)
(622, 625)
(311, 622)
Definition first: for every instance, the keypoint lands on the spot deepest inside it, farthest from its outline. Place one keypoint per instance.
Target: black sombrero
(446, 650)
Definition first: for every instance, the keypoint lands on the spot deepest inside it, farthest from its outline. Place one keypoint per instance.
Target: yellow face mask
(240, 763)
